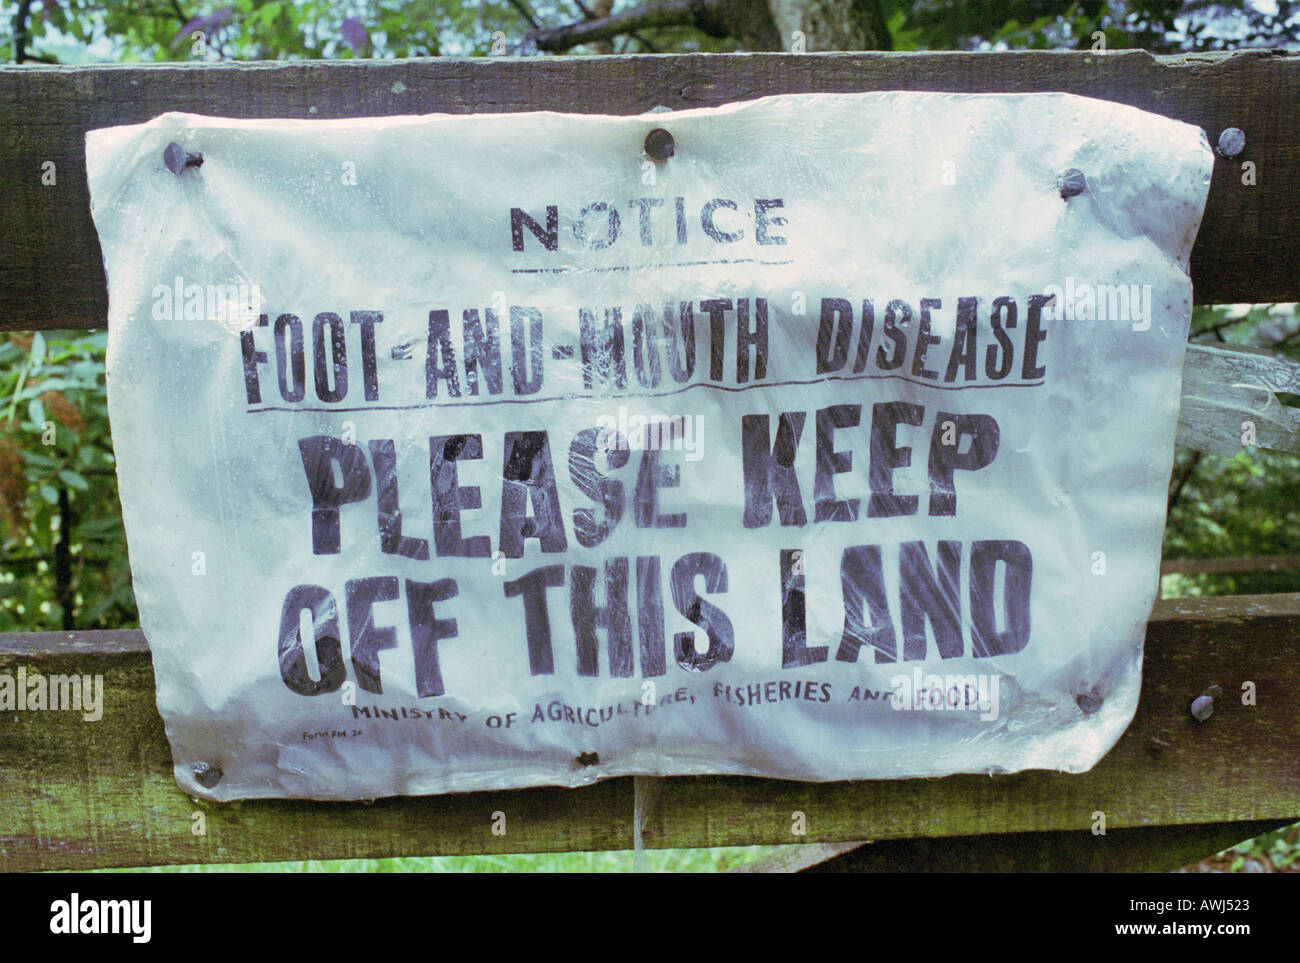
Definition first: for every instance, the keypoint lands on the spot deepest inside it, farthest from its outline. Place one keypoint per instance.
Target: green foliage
(1247, 504)
(57, 476)
(1279, 850)
(1159, 26)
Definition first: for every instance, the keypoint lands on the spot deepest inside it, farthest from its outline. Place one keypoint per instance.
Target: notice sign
(472, 452)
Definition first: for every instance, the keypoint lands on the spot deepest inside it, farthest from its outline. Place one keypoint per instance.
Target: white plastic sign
(474, 452)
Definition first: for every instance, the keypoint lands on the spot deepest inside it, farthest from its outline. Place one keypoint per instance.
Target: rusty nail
(1155, 744)
(207, 775)
(1231, 142)
(1202, 708)
(659, 144)
(176, 158)
(1071, 182)
(1089, 702)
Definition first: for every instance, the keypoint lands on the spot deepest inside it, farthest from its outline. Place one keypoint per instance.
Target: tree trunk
(832, 24)
(791, 25)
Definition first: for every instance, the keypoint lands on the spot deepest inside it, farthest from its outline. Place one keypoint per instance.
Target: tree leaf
(73, 480)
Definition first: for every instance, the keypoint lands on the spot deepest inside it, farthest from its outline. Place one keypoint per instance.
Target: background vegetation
(63, 560)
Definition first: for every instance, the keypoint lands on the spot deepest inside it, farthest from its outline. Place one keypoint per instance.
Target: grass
(621, 861)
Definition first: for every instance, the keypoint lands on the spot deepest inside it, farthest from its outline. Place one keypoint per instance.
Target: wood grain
(51, 273)
(75, 795)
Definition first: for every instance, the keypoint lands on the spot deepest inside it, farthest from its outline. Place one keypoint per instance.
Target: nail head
(1202, 708)
(659, 144)
(176, 158)
(207, 775)
(1071, 182)
(1231, 142)
(1089, 702)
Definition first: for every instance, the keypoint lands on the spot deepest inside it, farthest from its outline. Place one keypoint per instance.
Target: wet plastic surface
(776, 457)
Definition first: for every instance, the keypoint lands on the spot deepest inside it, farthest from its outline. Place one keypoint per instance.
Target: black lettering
(369, 369)
(711, 229)
(707, 616)
(923, 595)
(391, 540)
(650, 616)
(944, 459)
(427, 631)
(325, 629)
(614, 617)
(769, 469)
(528, 481)
(550, 236)
(997, 359)
(365, 638)
(605, 491)
(537, 620)
(886, 456)
(440, 346)
(794, 620)
(482, 351)
(450, 498)
(924, 339)
(891, 331)
(763, 222)
(602, 349)
(652, 476)
(964, 346)
(747, 338)
(833, 334)
(293, 383)
(828, 508)
(526, 350)
(862, 584)
(984, 557)
(320, 453)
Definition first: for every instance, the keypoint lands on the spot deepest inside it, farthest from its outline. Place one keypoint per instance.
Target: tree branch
(63, 562)
(589, 14)
(522, 7)
(1183, 478)
(706, 15)
(22, 30)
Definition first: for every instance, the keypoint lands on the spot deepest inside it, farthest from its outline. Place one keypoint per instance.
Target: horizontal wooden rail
(51, 274)
(77, 794)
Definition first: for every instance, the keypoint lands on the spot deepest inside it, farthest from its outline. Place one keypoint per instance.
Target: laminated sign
(816, 437)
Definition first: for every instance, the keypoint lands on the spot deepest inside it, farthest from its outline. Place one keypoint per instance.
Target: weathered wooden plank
(51, 274)
(1161, 849)
(77, 794)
